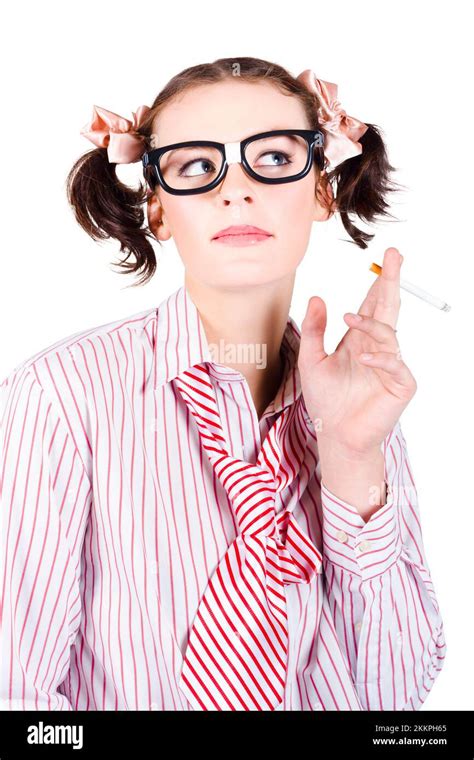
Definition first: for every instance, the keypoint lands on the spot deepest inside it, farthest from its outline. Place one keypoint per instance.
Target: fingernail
(366, 357)
(357, 317)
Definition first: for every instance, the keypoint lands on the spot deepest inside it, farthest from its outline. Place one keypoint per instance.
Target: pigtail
(106, 208)
(362, 183)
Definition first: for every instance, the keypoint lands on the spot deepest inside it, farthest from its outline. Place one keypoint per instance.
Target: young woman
(186, 527)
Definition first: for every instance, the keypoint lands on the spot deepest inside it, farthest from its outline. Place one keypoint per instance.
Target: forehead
(227, 111)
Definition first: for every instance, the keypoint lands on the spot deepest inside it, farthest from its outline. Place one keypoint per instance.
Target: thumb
(312, 331)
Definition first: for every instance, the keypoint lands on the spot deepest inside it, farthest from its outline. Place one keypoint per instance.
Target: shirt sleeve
(382, 597)
(45, 497)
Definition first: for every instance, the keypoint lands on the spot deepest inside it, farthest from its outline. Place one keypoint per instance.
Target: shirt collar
(181, 343)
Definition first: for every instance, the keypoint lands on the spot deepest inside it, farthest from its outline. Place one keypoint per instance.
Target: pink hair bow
(117, 134)
(341, 132)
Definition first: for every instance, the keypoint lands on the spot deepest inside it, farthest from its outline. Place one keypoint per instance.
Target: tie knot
(252, 492)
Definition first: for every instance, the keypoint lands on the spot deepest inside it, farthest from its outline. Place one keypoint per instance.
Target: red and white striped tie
(237, 652)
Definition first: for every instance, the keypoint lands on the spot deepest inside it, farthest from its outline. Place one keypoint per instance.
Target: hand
(356, 403)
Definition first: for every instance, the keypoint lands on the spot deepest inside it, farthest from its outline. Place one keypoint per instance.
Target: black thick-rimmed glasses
(197, 166)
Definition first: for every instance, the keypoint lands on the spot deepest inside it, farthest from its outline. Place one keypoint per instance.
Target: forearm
(356, 479)
(393, 559)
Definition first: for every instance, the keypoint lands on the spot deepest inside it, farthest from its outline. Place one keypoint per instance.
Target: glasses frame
(234, 153)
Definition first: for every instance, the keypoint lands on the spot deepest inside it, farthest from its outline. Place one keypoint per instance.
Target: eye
(277, 153)
(190, 169)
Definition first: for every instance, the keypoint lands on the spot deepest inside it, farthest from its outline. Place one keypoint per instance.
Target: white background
(403, 66)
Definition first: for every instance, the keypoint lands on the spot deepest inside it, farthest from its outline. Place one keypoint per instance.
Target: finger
(312, 331)
(369, 303)
(387, 306)
(393, 364)
(379, 331)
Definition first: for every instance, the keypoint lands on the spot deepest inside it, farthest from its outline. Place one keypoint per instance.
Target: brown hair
(106, 208)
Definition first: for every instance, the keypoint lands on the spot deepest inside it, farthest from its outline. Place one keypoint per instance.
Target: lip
(239, 230)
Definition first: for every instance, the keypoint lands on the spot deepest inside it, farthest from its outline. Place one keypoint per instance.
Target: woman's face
(230, 111)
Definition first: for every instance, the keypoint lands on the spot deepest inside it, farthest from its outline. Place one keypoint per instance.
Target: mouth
(245, 234)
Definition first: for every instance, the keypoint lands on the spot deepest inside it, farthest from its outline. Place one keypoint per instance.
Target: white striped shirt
(113, 521)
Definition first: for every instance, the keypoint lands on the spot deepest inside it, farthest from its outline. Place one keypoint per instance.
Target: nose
(236, 185)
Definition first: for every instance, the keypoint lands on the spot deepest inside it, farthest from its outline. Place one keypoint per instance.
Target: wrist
(333, 450)
(356, 477)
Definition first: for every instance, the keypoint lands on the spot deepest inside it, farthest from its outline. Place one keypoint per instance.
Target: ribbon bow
(117, 134)
(342, 132)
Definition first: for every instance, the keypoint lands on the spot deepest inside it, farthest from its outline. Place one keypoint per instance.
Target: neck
(244, 328)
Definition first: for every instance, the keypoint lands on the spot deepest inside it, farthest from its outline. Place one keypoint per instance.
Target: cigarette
(416, 290)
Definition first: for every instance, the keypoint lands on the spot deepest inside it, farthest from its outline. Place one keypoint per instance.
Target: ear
(156, 218)
(325, 204)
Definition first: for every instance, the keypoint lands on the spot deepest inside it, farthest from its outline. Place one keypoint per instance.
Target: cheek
(302, 202)
(296, 213)
(295, 200)
(191, 230)
(185, 219)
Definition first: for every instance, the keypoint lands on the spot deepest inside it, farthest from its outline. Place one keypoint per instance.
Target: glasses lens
(277, 157)
(190, 167)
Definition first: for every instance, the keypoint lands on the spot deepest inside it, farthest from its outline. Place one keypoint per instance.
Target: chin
(239, 280)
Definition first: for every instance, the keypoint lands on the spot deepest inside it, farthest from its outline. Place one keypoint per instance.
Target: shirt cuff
(366, 549)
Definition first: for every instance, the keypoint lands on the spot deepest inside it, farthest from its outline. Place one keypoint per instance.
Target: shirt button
(358, 626)
(318, 706)
(342, 536)
(364, 546)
